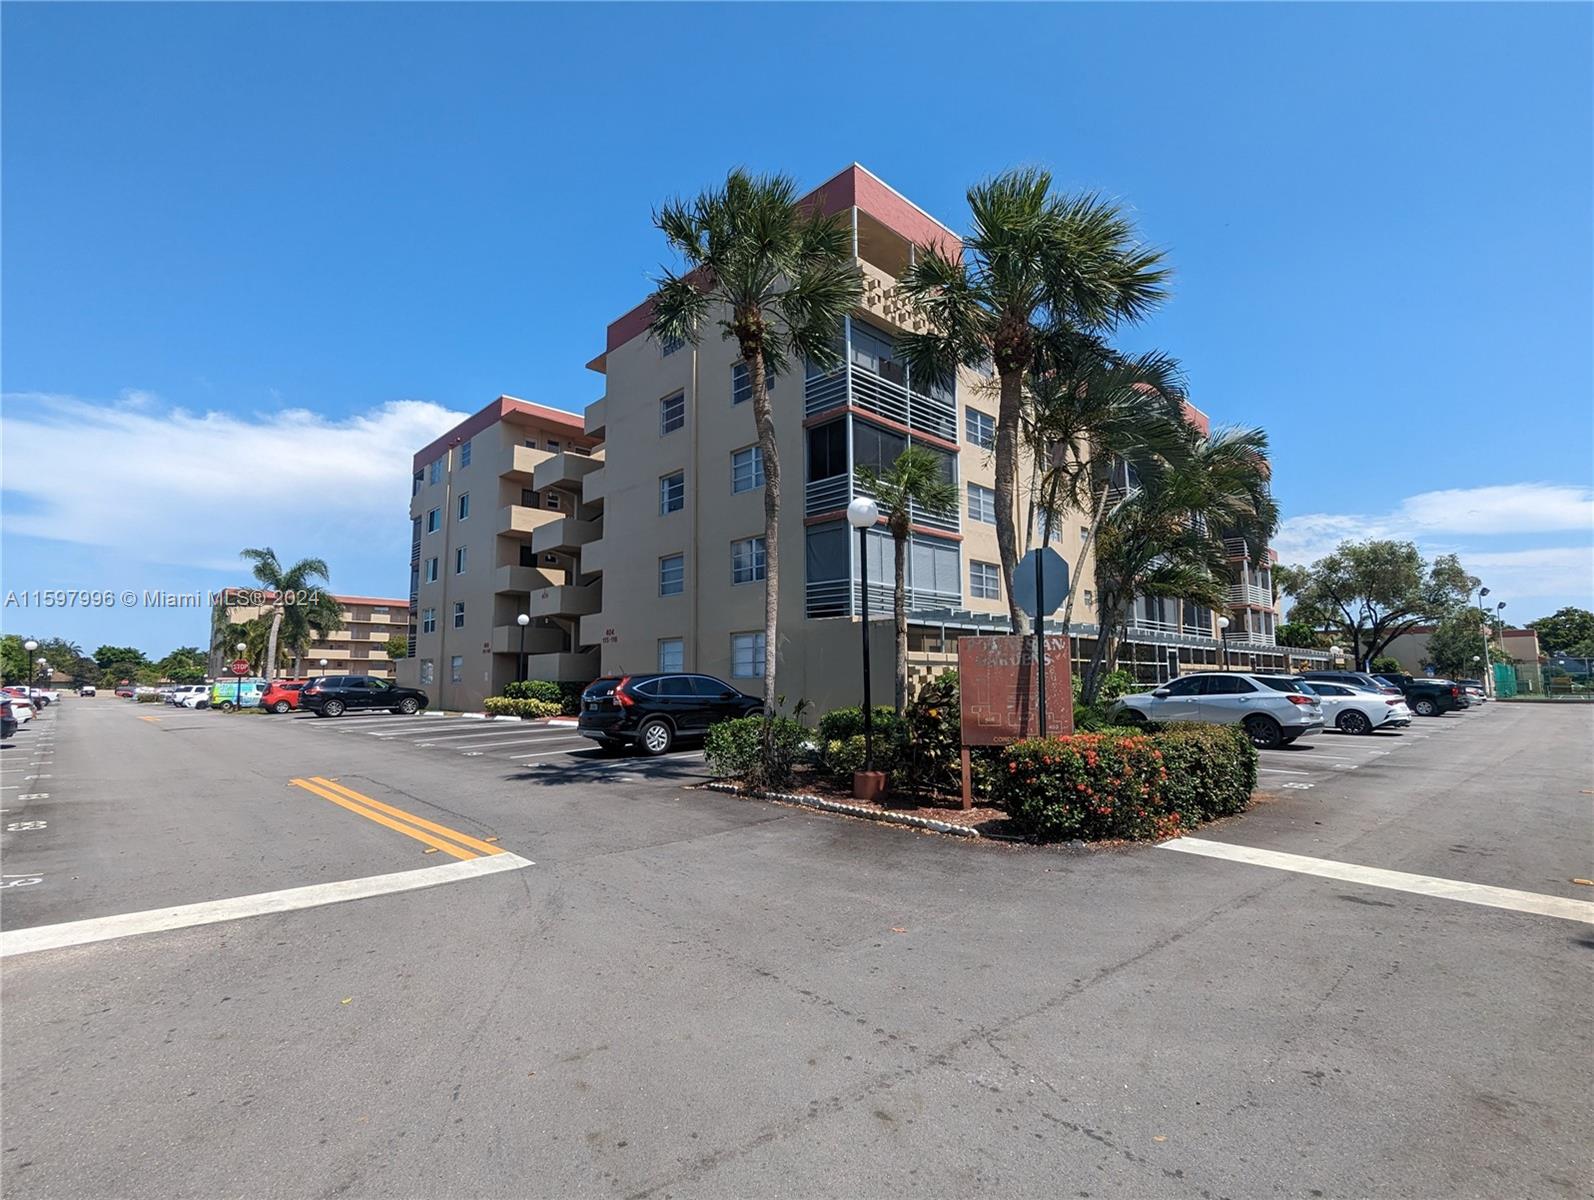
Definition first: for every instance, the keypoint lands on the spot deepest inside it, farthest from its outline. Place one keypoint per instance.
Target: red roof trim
(486, 418)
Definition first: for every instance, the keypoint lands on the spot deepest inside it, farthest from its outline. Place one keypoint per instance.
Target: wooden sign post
(999, 698)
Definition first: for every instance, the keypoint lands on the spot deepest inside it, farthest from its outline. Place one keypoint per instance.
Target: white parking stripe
(508, 731)
(1278, 771)
(209, 912)
(1400, 881)
(518, 742)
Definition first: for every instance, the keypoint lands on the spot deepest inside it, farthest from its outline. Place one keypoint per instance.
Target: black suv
(1353, 679)
(653, 711)
(334, 695)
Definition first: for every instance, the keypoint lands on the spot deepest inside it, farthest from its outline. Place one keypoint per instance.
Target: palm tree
(915, 484)
(283, 584)
(1038, 270)
(1166, 538)
(1094, 410)
(305, 623)
(781, 280)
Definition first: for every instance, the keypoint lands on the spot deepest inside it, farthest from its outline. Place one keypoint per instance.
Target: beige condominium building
(658, 563)
(359, 648)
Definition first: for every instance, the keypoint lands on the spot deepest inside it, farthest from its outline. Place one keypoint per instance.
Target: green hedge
(1133, 786)
(512, 706)
(840, 739)
(735, 750)
(566, 695)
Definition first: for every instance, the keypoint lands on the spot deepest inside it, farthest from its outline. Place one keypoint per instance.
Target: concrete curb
(853, 810)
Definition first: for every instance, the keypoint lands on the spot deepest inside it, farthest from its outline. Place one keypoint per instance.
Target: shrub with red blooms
(1130, 786)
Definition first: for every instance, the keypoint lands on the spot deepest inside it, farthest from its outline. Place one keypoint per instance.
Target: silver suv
(1275, 709)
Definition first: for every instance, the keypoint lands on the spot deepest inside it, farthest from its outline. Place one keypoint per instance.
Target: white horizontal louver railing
(826, 495)
(874, 394)
(1247, 593)
(828, 598)
(1153, 626)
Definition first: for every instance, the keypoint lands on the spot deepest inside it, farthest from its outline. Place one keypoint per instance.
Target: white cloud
(191, 489)
(1552, 571)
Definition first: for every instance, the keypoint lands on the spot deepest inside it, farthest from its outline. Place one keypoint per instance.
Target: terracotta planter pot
(868, 785)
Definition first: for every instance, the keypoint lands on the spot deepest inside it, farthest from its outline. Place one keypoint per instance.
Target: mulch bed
(988, 821)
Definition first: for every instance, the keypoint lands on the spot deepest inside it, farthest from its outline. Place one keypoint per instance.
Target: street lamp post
(1223, 638)
(862, 514)
(520, 663)
(1483, 628)
(30, 646)
(238, 680)
(323, 665)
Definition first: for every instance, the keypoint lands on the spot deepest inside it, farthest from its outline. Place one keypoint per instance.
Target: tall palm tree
(915, 484)
(1038, 270)
(780, 280)
(282, 583)
(1166, 538)
(1096, 409)
(305, 623)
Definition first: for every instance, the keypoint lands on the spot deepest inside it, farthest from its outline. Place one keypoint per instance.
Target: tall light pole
(1483, 628)
(1223, 639)
(862, 514)
(323, 666)
(30, 646)
(520, 663)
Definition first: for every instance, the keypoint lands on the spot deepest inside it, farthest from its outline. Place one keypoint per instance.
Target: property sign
(999, 698)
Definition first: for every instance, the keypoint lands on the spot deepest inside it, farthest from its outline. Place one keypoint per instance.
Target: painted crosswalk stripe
(1401, 881)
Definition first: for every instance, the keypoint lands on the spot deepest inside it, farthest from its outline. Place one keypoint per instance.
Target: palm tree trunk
(1009, 416)
(1084, 549)
(899, 603)
(764, 422)
(271, 643)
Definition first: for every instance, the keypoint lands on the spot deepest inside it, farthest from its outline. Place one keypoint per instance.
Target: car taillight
(1392, 703)
(312, 691)
(620, 696)
(1294, 699)
(1455, 691)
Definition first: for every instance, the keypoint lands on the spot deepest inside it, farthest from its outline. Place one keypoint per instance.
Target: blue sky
(256, 254)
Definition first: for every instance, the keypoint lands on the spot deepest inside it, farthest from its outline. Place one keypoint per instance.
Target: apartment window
(1084, 533)
(982, 504)
(979, 428)
(528, 498)
(550, 499)
(742, 382)
(434, 519)
(747, 655)
(464, 454)
(437, 469)
(428, 620)
(459, 560)
(428, 670)
(415, 485)
(672, 413)
(1197, 619)
(1089, 598)
(672, 655)
(827, 450)
(456, 669)
(669, 346)
(459, 614)
(747, 560)
(431, 570)
(875, 448)
(672, 575)
(553, 446)
(464, 506)
(672, 492)
(983, 583)
(747, 469)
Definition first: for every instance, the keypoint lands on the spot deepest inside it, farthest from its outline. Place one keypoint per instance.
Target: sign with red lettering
(999, 697)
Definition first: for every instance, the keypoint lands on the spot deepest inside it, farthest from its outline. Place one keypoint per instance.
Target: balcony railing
(1249, 593)
(830, 495)
(844, 598)
(869, 392)
(1248, 637)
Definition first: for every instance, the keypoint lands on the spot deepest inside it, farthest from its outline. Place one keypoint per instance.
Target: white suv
(179, 696)
(1274, 709)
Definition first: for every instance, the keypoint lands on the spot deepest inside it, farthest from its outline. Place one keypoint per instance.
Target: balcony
(506, 640)
(564, 470)
(844, 598)
(1235, 549)
(564, 535)
(834, 494)
(595, 486)
(1248, 594)
(1248, 637)
(564, 667)
(868, 392)
(593, 629)
(522, 520)
(520, 581)
(567, 600)
(520, 463)
(597, 417)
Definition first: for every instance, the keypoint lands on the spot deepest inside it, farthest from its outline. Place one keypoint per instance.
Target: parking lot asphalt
(682, 993)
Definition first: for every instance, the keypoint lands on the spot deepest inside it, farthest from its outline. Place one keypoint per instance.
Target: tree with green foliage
(1384, 663)
(398, 646)
(779, 279)
(117, 663)
(1456, 640)
(1369, 593)
(1038, 271)
(917, 483)
(282, 582)
(1566, 631)
(1298, 635)
(16, 664)
(186, 664)
(303, 624)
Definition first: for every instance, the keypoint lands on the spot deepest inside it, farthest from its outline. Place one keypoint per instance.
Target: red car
(282, 695)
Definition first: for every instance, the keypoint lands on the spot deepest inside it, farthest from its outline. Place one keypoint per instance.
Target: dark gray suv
(652, 712)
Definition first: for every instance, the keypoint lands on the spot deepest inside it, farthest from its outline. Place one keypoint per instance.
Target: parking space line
(1401, 881)
(500, 735)
(1279, 771)
(210, 912)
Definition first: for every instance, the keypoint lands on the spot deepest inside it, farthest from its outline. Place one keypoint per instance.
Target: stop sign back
(240, 666)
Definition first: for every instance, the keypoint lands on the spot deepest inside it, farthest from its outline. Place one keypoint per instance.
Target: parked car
(1352, 679)
(1473, 689)
(653, 712)
(1275, 710)
(124, 691)
(43, 697)
(333, 695)
(86, 690)
(21, 708)
(1427, 697)
(282, 695)
(228, 694)
(175, 696)
(8, 721)
(199, 699)
(1358, 710)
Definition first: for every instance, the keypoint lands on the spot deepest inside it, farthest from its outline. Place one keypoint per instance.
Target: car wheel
(655, 737)
(409, 706)
(281, 706)
(332, 708)
(226, 706)
(1354, 722)
(1130, 716)
(1264, 732)
(1425, 708)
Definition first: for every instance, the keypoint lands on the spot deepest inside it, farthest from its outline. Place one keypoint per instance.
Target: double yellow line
(439, 837)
